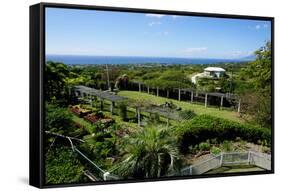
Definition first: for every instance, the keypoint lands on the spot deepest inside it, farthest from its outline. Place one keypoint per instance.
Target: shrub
(99, 114)
(227, 146)
(204, 146)
(215, 150)
(58, 119)
(204, 127)
(266, 150)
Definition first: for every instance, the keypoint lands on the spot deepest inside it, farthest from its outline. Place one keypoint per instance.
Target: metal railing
(105, 175)
(227, 159)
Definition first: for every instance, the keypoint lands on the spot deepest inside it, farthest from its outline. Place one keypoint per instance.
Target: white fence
(227, 159)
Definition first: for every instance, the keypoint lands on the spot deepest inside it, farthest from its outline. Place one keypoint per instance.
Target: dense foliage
(151, 152)
(204, 127)
(257, 100)
(58, 120)
(62, 166)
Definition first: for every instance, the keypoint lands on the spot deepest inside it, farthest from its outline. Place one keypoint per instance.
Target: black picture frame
(37, 62)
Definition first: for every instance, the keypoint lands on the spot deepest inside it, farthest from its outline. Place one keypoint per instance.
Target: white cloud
(240, 54)
(154, 23)
(195, 50)
(257, 27)
(155, 15)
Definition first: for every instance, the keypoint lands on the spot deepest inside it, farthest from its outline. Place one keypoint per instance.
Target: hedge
(204, 127)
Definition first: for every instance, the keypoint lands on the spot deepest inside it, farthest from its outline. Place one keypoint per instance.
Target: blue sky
(89, 32)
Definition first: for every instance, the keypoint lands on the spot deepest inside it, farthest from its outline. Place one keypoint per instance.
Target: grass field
(198, 109)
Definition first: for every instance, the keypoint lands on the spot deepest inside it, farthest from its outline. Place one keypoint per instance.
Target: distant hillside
(250, 58)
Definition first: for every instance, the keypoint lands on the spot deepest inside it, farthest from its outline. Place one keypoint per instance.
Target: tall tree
(55, 76)
(258, 99)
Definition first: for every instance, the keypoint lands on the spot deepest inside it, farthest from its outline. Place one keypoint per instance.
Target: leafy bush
(266, 150)
(62, 167)
(204, 127)
(58, 120)
(227, 146)
(215, 150)
(204, 146)
(100, 114)
(99, 146)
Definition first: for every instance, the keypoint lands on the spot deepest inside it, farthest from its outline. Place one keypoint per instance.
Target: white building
(216, 72)
(209, 72)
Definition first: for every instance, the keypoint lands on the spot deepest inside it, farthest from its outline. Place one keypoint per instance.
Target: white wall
(14, 93)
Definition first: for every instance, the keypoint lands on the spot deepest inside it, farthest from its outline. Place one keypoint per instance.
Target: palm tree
(149, 153)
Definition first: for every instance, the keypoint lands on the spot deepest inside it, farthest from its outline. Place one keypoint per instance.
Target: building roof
(101, 94)
(214, 69)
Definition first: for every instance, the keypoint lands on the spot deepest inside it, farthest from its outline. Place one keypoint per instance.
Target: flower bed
(91, 118)
(77, 110)
(94, 119)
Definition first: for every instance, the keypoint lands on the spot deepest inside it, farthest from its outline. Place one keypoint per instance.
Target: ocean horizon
(84, 60)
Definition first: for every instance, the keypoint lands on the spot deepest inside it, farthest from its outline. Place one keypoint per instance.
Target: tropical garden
(151, 133)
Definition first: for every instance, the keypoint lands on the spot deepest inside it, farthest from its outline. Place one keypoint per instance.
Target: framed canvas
(122, 95)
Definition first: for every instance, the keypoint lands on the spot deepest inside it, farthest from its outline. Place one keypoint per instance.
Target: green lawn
(198, 109)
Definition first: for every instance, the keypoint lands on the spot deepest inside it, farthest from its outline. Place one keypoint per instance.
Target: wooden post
(148, 89)
(167, 93)
(191, 99)
(239, 105)
(157, 91)
(112, 107)
(139, 87)
(179, 94)
(221, 102)
(206, 99)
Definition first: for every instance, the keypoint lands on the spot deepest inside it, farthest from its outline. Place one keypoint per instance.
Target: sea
(85, 60)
